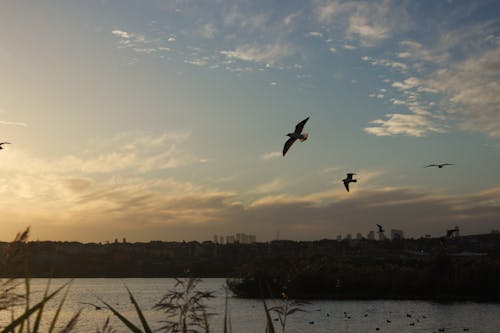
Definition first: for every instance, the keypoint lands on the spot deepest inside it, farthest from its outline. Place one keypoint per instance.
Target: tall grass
(11, 298)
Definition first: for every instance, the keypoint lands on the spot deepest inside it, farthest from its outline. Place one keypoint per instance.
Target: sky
(165, 120)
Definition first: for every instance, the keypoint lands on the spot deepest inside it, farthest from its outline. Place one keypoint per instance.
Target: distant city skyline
(166, 120)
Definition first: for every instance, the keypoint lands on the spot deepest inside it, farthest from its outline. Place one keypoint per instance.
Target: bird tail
(305, 137)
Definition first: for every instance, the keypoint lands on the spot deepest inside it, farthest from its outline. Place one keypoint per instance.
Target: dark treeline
(441, 277)
(459, 268)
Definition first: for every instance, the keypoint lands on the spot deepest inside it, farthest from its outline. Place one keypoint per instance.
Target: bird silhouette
(4, 143)
(348, 180)
(440, 166)
(297, 134)
(380, 228)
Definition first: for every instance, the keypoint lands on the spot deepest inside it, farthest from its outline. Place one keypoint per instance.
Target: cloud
(275, 185)
(13, 123)
(208, 31)
(132, 151)
(269, 53)
(404, 124)
(246, 20)
(142, 209)
(315, 34)
(271, 155)
(121, 33)
(349, 47)
(414, 211)
(386, 62)
(407, 84)
(197, 61)
(77, 185)
(135, 42)
(369, 22)
(396, 101)
(415, 51)
(473, 91)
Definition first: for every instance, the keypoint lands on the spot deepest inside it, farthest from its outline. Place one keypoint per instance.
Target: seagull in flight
(348, 180)
(440, 166)
(296, 135)
(380, 228)
(4, 143)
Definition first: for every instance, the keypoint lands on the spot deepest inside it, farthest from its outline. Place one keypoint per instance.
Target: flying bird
(440, 166)
(348, 180)
(380, 228)
(296, 135)
(4, 143)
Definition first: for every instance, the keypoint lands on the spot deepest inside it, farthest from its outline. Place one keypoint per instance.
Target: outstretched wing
(447, 164)
(300, 126)
(349, 175)
(288, 144)
(4, 143)
(430, 165)
(346, 185)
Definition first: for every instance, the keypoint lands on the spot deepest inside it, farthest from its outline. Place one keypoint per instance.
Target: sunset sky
(165, 120)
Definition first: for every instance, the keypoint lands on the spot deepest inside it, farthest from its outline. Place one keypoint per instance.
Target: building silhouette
(397, 234)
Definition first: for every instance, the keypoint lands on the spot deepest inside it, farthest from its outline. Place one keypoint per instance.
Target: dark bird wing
(430, 165)
(380, 228)
(447, 164)
(4, 143)
(349, 175)
(346, 185)
(288, 144)
(300, 126)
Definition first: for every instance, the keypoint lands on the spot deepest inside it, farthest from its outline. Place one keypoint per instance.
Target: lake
(248, 315)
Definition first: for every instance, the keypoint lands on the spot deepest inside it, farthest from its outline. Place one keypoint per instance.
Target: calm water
(248, 315)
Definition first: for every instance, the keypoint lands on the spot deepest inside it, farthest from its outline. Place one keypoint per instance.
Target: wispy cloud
(369, 22)
(473, 89)
(271, 155)
(404, 124)
(140, 152)
(349, 47)
(13, 123)
(267, 54)
(275, 185)
(408, 83)
(128, 39)
(208, 31)
(397, 65)
(315, 34)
